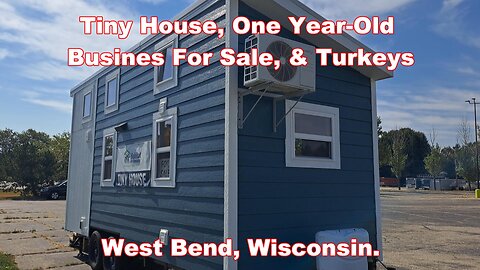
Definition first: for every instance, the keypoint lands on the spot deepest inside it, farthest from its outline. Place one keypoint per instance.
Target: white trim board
(376, 169)
(231, 142)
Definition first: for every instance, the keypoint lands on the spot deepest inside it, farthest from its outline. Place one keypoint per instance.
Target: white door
(81, 161)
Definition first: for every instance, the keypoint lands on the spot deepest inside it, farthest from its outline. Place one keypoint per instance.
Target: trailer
(208, 153)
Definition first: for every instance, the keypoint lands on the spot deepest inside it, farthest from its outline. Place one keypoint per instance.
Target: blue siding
(194, 209)
(292, 204)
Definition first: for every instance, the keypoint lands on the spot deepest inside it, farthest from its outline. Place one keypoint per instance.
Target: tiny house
(211, 152)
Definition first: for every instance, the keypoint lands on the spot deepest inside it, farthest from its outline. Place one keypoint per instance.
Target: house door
(81, 161)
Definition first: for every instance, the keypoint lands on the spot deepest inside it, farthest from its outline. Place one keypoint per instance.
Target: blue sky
(443, 35)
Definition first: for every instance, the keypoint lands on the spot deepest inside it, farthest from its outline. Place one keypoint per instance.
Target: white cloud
(54, 28)
(37, 34)
(4, 53)
(154, 2)
(468, 71)
(349, 9)
(426, 108)
(54, 70)
(451, 24)
(35, 98)
(53, 104)
(448, 5)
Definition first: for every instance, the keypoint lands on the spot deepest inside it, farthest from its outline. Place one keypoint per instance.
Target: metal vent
(283, 51)
(250, 73)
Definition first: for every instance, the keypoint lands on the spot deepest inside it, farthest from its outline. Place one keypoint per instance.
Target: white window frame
(168, 182)
(164, 85)
(109, 182)
(89, 116)
(112, 76)
(312, 162)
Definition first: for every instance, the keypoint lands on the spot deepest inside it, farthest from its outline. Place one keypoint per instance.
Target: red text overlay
(256, 247)
(362, 25)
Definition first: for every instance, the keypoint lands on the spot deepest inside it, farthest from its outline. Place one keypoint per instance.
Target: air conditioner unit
(288, 79)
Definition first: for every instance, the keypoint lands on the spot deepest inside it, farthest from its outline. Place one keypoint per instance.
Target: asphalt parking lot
(429, 230)
(33, 232)
(421, 230)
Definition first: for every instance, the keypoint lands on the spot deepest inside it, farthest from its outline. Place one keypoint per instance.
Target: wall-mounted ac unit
(287, 79)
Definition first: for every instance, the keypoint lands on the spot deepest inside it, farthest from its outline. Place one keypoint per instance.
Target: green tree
(434, 163)
(416, 149)
(60, 146)
(33, 159)
(379, 127)
(398, 157)
(449, 156)
(465, 154)
(8, 140)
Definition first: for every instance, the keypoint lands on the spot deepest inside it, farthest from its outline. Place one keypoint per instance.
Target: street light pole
(474, 102)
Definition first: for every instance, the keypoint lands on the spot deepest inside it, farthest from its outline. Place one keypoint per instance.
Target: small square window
(87, 105)
(312, 136)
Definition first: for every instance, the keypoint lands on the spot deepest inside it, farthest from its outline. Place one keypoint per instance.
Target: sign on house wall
(133, 165)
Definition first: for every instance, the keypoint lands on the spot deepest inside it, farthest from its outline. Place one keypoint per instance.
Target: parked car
(54, 192)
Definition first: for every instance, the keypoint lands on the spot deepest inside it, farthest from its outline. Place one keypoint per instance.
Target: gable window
(165, 72)
(312, 136)
(87, 105)
(164, 144)
(108, 157)
(165, 76)
(112, 85)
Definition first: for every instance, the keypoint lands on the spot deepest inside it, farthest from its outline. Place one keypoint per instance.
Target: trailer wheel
(95, 256)
(112, 262)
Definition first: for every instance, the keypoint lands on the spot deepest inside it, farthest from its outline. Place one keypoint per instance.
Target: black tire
(95, 254)
(113, 262)
(54, 195)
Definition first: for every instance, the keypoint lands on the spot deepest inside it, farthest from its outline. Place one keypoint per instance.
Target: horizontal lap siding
(194, 209)
(292, 204)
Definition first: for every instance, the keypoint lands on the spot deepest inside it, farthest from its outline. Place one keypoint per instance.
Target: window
(165, 76)
(112, 85)
(164, 144)
(86, 102)
(108, 157)
(165, 72)
(87, 105)
(312, 136)
(111, 92)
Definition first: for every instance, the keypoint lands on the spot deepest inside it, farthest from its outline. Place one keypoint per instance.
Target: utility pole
(474, 102)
